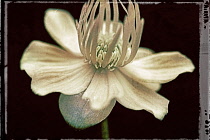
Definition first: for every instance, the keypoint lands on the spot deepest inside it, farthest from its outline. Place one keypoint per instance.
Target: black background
(168, 27)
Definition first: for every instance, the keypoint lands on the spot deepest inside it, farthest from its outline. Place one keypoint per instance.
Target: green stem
(105, 129)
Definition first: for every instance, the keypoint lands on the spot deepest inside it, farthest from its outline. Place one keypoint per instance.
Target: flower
(100, 63)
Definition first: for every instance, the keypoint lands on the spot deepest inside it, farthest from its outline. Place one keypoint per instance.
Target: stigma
(108, 43)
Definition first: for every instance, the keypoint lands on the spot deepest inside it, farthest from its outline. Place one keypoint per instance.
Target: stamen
(116, 14)
(101, 15)
(123, 7)
(108, 16)
(131, 28)
(94, 41)
(127, 30)
(116, 10)
(101, 41)
(111, 47)
(139, 29)
(126, 35)
(101, 53)
(80, 38)
(80, 27)
(87, 33)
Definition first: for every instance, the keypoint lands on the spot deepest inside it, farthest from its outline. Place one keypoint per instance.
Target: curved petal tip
(161, 67)
(60, 24)
(160, 114)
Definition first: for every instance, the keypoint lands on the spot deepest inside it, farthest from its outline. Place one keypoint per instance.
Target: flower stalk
(105, 129)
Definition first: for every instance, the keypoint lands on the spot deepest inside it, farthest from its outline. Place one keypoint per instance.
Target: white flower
(100, 63)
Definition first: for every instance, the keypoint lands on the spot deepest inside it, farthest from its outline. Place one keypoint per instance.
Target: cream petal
(69, 80)
(61, 26)
(78, 113)
(158, 68)
(102, 90)
(55, 70)
(138, 97)
(143, 52)
(115, 88)
(40, 54)
(152, 86)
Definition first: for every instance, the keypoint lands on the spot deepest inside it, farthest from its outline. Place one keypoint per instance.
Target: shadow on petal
(77, 112)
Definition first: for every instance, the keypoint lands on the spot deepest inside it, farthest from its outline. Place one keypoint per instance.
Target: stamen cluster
(105, 42)
(101, 51)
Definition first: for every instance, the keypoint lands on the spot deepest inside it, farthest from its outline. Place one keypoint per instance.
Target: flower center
(101, 51)
(108, 43)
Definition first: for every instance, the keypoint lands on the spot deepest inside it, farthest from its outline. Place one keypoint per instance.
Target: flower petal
(152, 86)
(55, 70)
(138, 97)
(69, 80)
(78, 113)
(61, 26)
(158, 68)
(143, 52)
(102, 90)
(40, 54)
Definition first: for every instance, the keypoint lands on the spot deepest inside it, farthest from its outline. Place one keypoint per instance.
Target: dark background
(168, 27)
